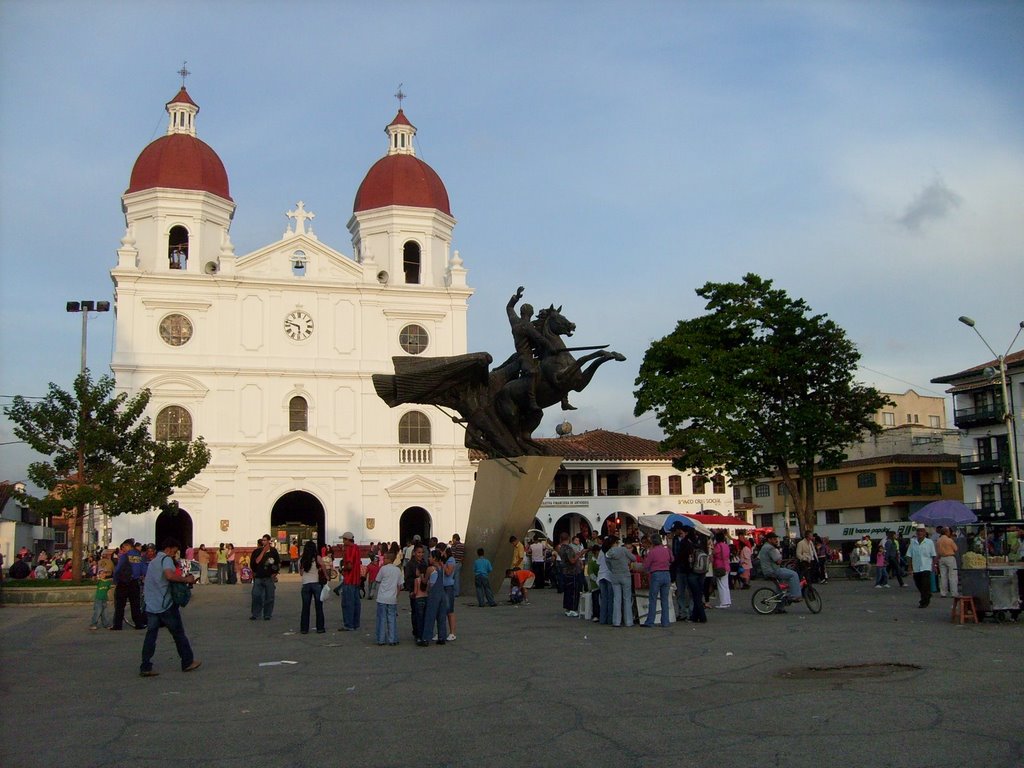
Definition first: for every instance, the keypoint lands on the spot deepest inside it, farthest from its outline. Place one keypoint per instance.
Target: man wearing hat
(770, 557)
(923, 559)
(351, 578)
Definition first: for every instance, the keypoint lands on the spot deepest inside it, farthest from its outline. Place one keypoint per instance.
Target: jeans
(622, 602)
(457, 575)
(351, 606)
(659, 590)
(171, 618)
(695, 584)
(311, 593)
(570, 593)
(684, 600)
(263, 590)
(881, 576)
(99, 613)
(387, 623)
(449, 594)
(605, 588)
(484, 594)
(436, 613)
(791, 576)
(222, 573)
(419, 613)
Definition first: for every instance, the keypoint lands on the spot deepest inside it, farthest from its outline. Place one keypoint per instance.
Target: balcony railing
(564, 492)
(978, 415)
(975, 464)
(994, 510)
(414, 454)
(921, 489)
(619, 492)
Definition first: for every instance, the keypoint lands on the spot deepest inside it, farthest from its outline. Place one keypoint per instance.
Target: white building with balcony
(269, 355)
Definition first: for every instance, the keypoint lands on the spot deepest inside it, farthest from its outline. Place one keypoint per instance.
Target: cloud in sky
(611, 157)
(935, 201)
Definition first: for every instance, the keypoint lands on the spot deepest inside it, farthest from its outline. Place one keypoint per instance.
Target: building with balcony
(609, 479)
(21, 526)
(982, 417)
(884, 479)
(268, 355)
(911, 408)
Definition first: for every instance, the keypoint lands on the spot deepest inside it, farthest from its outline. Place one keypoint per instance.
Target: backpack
(699, 561)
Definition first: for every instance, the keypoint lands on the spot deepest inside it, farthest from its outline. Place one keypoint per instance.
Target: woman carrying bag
(313, 580)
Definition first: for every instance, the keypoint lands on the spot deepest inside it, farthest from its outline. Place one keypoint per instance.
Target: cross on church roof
(300, 214)
(184, 72)
(400, 96)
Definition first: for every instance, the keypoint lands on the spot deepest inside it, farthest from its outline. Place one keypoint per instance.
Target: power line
(903, 381)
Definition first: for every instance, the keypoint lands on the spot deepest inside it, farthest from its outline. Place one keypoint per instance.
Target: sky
(611, 157)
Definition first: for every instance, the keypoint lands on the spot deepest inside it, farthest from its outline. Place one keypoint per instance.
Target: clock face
(176, 330)
(298, 325)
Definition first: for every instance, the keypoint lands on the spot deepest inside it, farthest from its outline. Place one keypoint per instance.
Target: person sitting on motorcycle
(769, 558)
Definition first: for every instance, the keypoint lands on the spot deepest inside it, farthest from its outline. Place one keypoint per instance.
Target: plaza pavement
(522, 686)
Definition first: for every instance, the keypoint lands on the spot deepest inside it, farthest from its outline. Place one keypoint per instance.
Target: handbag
(720, 572)
(325, 593)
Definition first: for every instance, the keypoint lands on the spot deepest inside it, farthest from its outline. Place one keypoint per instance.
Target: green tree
(100, 452)
(758, 386)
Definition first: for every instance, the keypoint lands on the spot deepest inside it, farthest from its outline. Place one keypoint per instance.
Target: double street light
(1008, 415)
(85, 307)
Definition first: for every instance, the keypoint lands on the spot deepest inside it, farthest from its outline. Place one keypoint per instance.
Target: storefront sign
(565, 503)
(855, 531)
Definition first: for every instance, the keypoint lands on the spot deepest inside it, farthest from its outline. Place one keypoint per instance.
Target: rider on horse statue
(530, 345)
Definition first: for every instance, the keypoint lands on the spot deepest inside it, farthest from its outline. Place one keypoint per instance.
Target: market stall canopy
(712, 520)
(944, 512)
(663, 522)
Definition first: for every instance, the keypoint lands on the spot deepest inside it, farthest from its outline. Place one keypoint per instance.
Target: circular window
(414, 339)
(176, 330)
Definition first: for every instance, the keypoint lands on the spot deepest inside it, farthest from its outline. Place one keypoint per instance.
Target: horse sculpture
(495, 405)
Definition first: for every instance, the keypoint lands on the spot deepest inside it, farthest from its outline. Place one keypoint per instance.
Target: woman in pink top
(720, 564)
(657, 562)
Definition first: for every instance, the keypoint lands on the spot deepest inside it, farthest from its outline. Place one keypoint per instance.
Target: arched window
(173, 423)
(414, 428)
(718, 484)
(414, 439)
(698, 483)
(411, 262)
(298, 415)
(177, 248)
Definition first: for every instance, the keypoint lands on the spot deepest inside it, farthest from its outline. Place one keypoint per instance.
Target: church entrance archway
(296, 517)
(414, 521)
(174, 524)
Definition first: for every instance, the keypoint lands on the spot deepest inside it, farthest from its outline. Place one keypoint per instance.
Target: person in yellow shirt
(518, 553)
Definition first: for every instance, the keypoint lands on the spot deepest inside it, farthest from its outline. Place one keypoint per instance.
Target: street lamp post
(85, 307)
(1008, 415)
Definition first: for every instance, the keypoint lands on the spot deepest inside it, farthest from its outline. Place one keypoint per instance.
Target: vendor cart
(995, 589)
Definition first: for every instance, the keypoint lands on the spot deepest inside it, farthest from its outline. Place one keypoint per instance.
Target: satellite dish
(210, 268)
(382, 277)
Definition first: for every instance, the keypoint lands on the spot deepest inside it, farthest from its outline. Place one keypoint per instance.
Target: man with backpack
(164, 612)
(692, 566)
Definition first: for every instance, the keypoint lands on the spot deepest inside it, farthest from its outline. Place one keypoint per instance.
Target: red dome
(401, 180)
(179, 161)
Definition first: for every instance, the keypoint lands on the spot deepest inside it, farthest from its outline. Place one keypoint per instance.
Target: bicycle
(767, 600)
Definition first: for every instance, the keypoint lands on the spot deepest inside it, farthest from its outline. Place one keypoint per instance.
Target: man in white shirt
(923, 559)
(537, 562)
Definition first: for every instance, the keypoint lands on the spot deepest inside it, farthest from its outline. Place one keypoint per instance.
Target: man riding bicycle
(769, 557)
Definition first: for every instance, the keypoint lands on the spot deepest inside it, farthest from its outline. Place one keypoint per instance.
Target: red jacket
(351, 565)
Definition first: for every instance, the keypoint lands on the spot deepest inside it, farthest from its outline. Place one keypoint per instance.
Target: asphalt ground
(521, 686)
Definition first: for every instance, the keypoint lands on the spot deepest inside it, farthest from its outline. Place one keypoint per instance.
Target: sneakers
(148, 673)
(878, 586)
(193, 666)
(450, 637)
(887, 586)
(572, 614)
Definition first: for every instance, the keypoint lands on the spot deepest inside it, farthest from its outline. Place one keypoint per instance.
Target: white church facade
(269, 355)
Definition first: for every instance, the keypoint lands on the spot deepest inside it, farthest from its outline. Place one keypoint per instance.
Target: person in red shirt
(351, 579)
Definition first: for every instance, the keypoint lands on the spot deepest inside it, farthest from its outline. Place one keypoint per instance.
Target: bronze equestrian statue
(500, 408)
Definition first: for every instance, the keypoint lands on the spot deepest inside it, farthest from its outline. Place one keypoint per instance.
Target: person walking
(313, 574)
(923, 561)
(163, 612)
(892, 557)
(657, 563)
(265, 563)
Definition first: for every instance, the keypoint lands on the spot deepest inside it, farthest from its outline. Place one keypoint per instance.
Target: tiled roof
(602, 445)
(1013, 360)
